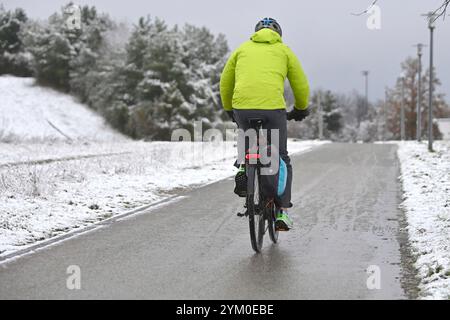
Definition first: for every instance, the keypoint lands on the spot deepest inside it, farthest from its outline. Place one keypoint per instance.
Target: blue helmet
(269, 23)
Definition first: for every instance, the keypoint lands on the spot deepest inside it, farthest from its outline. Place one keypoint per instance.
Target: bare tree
(442, 10)
(368, 9)
(441, 109)
(439, 12)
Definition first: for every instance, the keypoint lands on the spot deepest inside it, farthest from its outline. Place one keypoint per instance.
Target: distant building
(444, 127)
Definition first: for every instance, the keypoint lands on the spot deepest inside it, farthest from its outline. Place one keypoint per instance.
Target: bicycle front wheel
(255, 211)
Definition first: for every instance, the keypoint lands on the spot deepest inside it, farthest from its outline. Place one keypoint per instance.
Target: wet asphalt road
(346, 216)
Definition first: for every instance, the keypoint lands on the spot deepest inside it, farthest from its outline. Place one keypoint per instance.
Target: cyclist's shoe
(241, 182)
(283, 222)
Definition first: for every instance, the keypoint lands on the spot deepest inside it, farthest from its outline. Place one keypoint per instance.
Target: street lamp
(365, 73)
(431, 19)
(320, 109)
(385, 107)
(402, 112)
(419, 46)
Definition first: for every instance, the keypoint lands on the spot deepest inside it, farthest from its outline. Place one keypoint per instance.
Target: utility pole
(419, 93)
(365, 73)
(385, 114)
(402, 113)
(319, 103)
(431, 19)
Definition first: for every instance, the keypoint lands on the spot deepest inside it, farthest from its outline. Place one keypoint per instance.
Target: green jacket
(254, 75)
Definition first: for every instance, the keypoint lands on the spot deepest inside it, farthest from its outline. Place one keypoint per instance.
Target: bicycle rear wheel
(271, 211)
(257, 221)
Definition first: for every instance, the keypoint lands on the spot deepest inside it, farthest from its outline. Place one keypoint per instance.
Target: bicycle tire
(256, 216)
(271, 211)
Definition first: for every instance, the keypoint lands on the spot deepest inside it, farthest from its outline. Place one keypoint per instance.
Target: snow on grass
(40, 201)
(11, 153)
(33, 113)
(426, 186)
(62, 168)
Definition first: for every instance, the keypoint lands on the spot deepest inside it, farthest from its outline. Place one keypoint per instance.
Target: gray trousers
(273, 119)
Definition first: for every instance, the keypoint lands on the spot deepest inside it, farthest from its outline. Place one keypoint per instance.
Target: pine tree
(332, 116)
(64, 58)
(331, 113)
(89, 45)
(204, 58)
(13, 58)
(51, 50)
(163, 78)
(173, 76)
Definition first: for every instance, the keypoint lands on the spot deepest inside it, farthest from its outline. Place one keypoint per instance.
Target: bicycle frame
(262, 211)
(253, 169)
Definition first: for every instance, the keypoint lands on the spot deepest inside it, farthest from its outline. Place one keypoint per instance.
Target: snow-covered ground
(40, 201)
(32, 152)
(34, 113)
(62, 168)
(426, 200)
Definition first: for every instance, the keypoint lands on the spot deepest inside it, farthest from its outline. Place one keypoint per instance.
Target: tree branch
(441, 11)
(370, 7)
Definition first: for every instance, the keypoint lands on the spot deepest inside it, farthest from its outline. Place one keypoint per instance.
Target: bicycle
(260, 208)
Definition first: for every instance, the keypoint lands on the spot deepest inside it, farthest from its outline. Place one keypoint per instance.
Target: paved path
(347, 219)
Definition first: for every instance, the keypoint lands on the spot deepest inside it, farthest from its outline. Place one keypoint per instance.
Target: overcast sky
(333, 45)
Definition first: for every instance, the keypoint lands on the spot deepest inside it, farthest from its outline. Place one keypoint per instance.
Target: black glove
(297, 115)
(231, 115)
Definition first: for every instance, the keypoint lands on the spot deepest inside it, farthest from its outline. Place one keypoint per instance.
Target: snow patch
(33, 113)
(42, 201)
(426, 200)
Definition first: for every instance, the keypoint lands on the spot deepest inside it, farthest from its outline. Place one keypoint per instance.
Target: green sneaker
(283, 222)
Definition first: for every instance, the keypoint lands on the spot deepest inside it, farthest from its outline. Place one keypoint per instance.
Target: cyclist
(252, 86)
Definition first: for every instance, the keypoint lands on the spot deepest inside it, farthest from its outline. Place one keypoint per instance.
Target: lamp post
(431, 19)
(319, 102)
(419, 93)
(402, 112)
(365, 73)
(385, 107)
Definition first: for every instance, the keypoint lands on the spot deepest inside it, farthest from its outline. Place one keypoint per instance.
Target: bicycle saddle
(256, 121)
